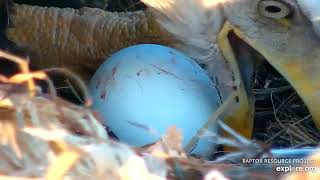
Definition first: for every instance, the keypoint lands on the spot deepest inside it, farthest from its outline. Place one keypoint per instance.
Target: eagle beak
(240, 115)
(298, 61)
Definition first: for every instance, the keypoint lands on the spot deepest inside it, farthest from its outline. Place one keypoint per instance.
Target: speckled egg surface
(142, 90)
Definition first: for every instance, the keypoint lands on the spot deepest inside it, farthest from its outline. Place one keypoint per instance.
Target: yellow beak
(298, 62)
(240, 115)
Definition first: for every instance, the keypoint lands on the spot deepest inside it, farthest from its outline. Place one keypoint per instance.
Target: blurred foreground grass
(281, 118)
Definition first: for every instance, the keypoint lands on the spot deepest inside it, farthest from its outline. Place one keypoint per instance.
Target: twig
(77, 80)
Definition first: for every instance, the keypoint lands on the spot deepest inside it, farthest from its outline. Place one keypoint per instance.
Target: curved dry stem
(79, 83)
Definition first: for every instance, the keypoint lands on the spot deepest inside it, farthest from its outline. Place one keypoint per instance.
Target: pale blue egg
(142, 90)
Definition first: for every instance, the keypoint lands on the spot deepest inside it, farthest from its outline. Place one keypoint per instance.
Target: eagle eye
(275, 9)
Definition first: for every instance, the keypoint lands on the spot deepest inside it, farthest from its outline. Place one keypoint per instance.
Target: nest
(43, 136)
(281, 117)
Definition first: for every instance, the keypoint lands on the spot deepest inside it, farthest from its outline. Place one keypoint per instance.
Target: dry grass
(43, 136)
(282, 119)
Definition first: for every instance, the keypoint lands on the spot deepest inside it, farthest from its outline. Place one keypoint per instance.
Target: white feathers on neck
(189, 20)
(311, 8)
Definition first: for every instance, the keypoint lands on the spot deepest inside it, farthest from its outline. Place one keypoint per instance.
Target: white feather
(311, 8)
(195, 22)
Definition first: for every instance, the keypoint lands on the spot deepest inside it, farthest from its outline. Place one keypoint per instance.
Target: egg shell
(142, 90)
